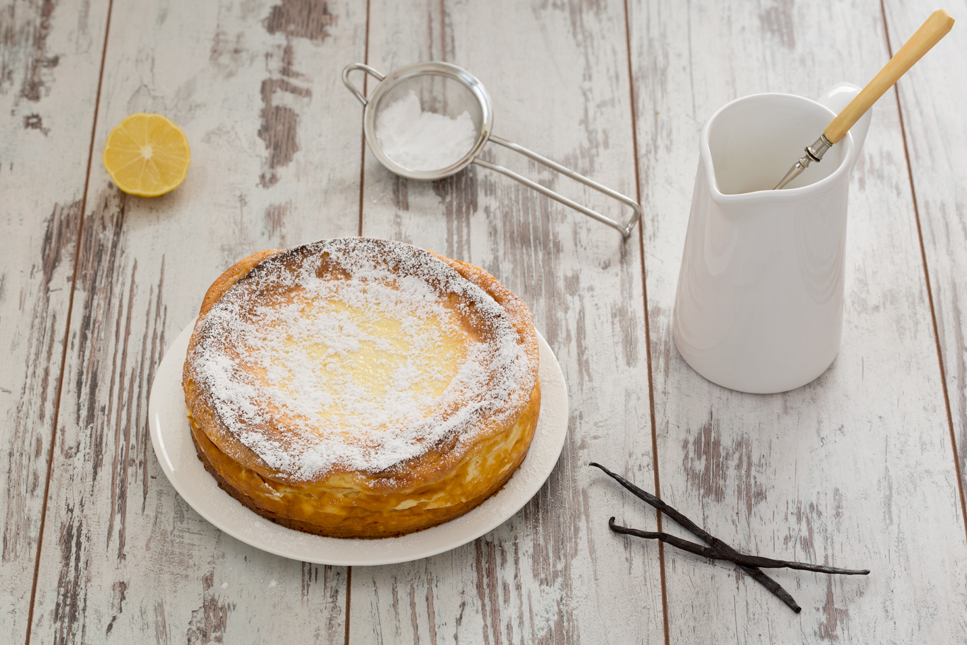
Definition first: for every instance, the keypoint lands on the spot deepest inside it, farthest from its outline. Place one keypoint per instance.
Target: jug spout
(838, 97)
(748, 144)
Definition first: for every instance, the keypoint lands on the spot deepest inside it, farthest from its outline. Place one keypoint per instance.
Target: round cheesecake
(361, 388)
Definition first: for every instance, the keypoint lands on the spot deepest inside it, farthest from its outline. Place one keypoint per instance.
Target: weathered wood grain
(858, 469)
(855, 469)
(50, 56)
(275, 162)
(557, 75)
(932, 97)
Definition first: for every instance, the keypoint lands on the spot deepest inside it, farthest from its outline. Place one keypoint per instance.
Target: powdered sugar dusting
(422, 140)
(356, 354)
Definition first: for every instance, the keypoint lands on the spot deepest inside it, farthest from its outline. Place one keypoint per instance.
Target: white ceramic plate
(170, 435)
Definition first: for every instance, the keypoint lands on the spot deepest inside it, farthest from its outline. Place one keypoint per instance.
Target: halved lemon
(146, 155)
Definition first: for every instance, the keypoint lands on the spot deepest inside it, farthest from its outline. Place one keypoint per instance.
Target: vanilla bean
(756, 574)
(737, 558)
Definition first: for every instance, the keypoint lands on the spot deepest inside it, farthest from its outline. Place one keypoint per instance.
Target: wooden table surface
(861, 468)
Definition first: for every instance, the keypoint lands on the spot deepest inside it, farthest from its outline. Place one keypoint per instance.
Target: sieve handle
(624, 228)
(348, 83)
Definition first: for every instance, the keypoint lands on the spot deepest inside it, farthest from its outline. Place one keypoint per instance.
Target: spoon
(929, 34)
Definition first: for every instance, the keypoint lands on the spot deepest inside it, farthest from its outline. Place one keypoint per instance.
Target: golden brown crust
(335, 511)
(234, 273)
(440, 484)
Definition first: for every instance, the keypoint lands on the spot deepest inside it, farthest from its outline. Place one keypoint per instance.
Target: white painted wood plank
(275, 162)
(855, 469)
(50, 57)
(557, 75)
(932, 97)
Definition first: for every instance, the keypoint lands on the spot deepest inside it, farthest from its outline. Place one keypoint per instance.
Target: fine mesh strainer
(449, 90)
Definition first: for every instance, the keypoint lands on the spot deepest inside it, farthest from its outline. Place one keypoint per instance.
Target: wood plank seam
(349, 591)
(359, 231)
(926, 277)
(55, 418)
(644, 297)
(362, 156)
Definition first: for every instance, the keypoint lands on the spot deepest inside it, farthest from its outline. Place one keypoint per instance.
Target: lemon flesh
(147, 155)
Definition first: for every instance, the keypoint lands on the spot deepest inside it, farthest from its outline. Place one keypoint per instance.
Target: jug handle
(836, 99)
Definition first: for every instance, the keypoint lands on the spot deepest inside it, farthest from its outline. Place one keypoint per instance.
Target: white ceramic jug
(759, 306)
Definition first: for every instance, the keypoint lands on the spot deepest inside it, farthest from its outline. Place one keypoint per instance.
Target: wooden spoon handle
(929, 34)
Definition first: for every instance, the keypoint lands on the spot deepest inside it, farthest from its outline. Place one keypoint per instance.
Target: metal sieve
(449, 90)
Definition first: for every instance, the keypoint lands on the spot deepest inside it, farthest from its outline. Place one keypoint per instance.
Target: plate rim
(542, 457)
